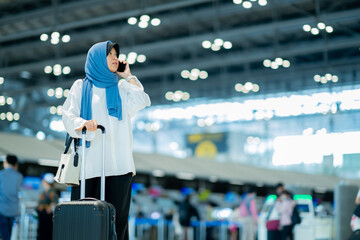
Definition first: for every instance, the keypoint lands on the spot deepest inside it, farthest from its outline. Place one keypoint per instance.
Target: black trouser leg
(118, 193)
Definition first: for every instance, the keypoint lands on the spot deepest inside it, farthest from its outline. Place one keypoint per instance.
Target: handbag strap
(68, 143)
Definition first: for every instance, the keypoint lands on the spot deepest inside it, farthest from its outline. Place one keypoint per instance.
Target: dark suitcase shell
(355, 235)
(84, 220)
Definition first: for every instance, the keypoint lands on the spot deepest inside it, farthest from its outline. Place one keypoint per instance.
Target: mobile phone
(121, 67)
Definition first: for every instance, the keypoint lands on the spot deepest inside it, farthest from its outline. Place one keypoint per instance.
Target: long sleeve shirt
(285, 209)
(118, 137)
(10, 183)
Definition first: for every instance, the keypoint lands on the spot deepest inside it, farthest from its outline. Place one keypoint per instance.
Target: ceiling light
(132, 55)
(155, 22)
(185, 74)
(227, 45)
(328, 76)
(248, 86)
(1, 80)
(66, 70)
(2, 116)
(9, 116)
(177, 95)
(132, 21)
(2, 100)
(66, 92)
(59, 110)
(218, 42)
(48, 69)
(65, 38)
(58, 92)
(52, 110)
(247, 5)
(279, 61)
(255, 88)
(44, 37)
(50, 92)
(57, 69)
(323, 80)
(237, 1)
(267, 63)
(262, 2)
(215, 47)
(131, 61)
(169, 95)
(238, 87)
(206, 44)
(321, 25)
(195, 72)
(143, 24)
(55, 35)
(274, 65)
(317, 78)
(186, 96)
(203, 75)
(54, 41)
(9, 100)
(315, 31)
(286, 63)
(329, 29)
(145, 18)
(335, 78)
(193, 77)
(307, 28)
(122, 57)
(141, 58)
(16, 116)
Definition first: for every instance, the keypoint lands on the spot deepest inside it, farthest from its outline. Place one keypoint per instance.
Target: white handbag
(68, 172)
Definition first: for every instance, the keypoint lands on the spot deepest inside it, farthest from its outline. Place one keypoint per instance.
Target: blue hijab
(98, 74)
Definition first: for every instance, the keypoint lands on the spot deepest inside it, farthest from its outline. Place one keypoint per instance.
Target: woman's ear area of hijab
(112, 60)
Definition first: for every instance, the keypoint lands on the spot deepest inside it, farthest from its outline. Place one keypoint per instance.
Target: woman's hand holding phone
(123, 69)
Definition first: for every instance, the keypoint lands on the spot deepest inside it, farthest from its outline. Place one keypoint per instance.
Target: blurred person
(186, 212)
(355, 220)
(102, 99)
(10, 183)
(234, 223)
(46, 205)
(285, 206)
(279, 188)
(248, 215)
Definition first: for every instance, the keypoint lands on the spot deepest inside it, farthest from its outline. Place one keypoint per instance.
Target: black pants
(117, 192)
(45, 227)
(286, 232)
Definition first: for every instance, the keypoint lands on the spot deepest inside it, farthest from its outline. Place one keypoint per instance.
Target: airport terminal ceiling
(44, 46)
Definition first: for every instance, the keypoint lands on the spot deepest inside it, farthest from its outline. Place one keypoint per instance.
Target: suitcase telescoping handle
(82, 189)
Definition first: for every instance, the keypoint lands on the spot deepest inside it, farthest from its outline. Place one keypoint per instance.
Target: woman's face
(112, 60)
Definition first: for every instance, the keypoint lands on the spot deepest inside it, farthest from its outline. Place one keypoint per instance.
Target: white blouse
(118, 137)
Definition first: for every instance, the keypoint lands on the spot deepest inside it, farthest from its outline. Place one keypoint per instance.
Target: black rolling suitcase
(355, 235)
(87, 218)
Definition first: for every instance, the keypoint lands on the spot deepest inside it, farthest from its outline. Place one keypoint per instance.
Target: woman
(101, 99)
(285, 206)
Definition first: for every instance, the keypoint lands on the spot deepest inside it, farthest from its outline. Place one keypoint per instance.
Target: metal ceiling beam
(237, 58)
(103, 19)
(163, 46)
(201, 14)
